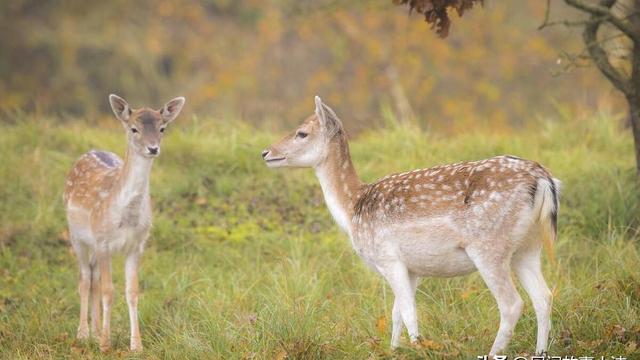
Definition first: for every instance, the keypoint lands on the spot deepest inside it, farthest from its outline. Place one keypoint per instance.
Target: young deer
(490, 216)
(109, 210)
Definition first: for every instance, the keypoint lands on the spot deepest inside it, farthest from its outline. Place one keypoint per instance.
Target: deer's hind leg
(84, 283)
(495, 270)
(528, 269)
(95, 298)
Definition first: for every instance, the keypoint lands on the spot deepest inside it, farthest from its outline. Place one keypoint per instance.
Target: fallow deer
(491, 216)
(109, 211)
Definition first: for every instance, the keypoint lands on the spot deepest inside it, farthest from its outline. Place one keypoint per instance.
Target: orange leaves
(422, 343)
(428, 344)
(281, 355)
(381, 325)
(466, 293)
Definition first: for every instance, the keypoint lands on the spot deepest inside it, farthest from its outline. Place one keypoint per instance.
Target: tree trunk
(634, 117)
(633, 100)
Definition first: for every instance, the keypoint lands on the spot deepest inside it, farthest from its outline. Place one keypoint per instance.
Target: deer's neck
(339, 181)
(133, 183)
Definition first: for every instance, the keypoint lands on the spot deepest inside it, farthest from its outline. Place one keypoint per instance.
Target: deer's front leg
(131, 274)
(106, 286)
(403, 285)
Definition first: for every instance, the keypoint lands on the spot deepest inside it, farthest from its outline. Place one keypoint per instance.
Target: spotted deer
(491, 216)
(109, 211)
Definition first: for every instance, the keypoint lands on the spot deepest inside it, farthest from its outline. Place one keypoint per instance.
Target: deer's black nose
(265, 153)
(152, 150)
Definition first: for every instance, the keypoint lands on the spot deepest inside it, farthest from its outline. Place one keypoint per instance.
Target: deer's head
(145, 127)
(308, 145)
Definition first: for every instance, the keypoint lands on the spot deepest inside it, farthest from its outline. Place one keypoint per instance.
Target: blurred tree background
(262, 61)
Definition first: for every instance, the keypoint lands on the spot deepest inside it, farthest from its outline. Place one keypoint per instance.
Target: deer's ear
(329, 121)
(171, 109)
(120, 107)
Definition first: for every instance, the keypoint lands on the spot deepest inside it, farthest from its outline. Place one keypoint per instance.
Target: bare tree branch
(599, 56)
(603, 10)
(566, 23)
(546, 15)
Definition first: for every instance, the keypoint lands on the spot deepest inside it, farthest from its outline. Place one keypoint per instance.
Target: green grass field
(245, 262)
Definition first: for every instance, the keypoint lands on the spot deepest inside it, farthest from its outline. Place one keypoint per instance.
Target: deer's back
(459, 189)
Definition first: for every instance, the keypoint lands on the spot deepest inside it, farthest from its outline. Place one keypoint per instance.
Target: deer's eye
(134, 130)
(301, 134)
(162, 130)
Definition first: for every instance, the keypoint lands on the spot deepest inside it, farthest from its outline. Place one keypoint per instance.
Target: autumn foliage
(264, 61)
(436, 11)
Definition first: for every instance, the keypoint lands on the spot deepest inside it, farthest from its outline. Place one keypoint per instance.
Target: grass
(245, 262)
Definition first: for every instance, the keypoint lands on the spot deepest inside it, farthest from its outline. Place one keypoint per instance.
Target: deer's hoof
(95, 334)
(83, 333)
(105, 345)
(136, 344)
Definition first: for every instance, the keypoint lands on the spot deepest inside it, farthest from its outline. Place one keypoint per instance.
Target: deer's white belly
(428, 247)
(442, 261)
